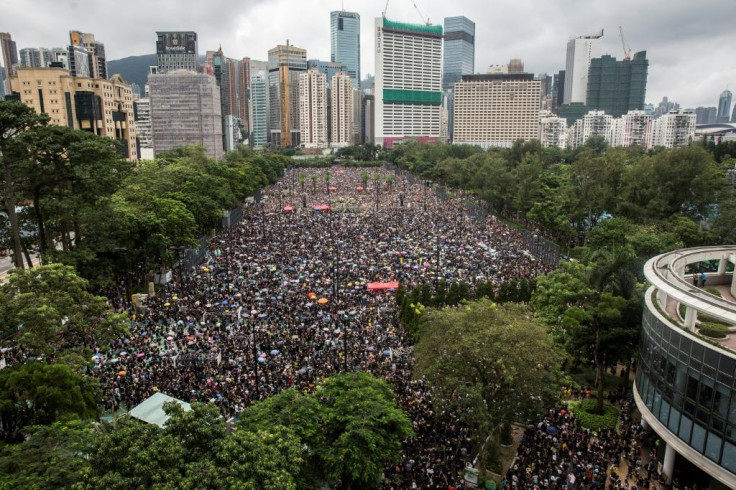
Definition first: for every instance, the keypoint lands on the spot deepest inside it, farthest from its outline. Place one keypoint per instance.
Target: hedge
(583, 411)
(712, 330)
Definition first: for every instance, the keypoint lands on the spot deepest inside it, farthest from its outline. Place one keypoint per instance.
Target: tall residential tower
(345, 42)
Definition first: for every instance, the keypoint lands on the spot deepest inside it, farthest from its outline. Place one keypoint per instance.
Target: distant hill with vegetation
(134, 69)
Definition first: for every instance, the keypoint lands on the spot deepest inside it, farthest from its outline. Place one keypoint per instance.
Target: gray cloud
(689, 44)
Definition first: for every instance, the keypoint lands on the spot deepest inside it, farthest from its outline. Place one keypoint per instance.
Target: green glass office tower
(617, 87)
(345, 42)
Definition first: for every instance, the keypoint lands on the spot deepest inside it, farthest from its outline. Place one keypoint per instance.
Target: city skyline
(685, 41)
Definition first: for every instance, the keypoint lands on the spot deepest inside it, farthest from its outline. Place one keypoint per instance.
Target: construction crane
(425, 20)
(627, 50)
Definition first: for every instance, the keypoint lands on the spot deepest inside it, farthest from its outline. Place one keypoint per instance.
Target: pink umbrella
(140, 354)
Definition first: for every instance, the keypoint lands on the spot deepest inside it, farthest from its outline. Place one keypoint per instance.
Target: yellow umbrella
(322, 301)
(167, 304)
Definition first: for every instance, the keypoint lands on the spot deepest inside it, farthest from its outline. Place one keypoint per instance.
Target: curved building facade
(685, 386)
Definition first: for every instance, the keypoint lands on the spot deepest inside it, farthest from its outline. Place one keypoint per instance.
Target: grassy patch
(583, 411)
(703, 318)
(714, 292)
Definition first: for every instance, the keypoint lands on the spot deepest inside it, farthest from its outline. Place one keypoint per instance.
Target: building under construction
(285, 63)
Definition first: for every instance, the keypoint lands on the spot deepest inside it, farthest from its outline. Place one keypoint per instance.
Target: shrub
(583, 411)
(714, 292)
(506, 438)
(712, 330)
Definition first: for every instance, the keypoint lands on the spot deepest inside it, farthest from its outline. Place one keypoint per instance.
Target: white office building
(408, 82)
(580, 51)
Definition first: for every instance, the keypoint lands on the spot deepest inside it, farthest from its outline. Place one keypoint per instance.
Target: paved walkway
(725, 291)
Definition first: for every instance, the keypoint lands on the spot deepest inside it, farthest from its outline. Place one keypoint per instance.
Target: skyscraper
(258, 101)
(185, 110)
(706, 115)
(580, 51)
(176, 51)
(79, 62)
(341, 93)
(285, 63)
(10, 57)
(617, 87)
(96, 52)
(408, 84)
(313, 109)
(459, 55)
(35, 57)
(724, 106)
(345, 42)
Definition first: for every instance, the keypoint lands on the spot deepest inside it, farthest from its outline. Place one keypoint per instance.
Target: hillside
(134, 69)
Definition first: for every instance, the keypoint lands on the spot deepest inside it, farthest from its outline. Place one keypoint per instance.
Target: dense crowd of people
(281, 301)
(558, 453)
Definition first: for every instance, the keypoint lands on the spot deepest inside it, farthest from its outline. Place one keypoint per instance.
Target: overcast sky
(689, 43)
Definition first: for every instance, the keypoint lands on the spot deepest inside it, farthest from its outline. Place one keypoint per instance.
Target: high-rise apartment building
(674, 129)
(341, 106)
(327, 68)
(285, 63)
(2, 83)
(496, 109)
(259, 109)
(313, 109)
(706, 115)
(369, 116)
(36, 57)
(144, 137)
(594, 123)
(101, 107)
(724, 106)
(185, 110)
(580, 51)
(617, 87)
(345, 42)
(10, 58)
(459, 50)
(635, 128)
(552, 130)
(176, 51)
(96, 57)
(408, 83)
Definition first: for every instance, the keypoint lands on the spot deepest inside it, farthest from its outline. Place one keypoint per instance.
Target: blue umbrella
(552, 430)
(275, 352)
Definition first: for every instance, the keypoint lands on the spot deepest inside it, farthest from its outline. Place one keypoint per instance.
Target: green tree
(364, 428)
(50, 456)
(596, 309)
(493, 363)
(16, 119)
(49, 311)
(350, 428)
(37, 393)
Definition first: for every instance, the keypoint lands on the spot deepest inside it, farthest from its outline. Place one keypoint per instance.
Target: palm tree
(327, 181)
(302, 179)
(313, 178)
